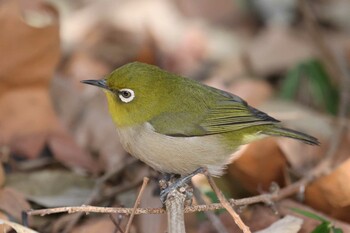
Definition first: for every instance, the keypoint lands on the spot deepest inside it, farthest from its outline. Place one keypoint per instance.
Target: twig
(116, 224)
(175, 203)
(214, 219)
(263, 198)
(137, 203)
(95, 194)
(226, 204)
(189, 209)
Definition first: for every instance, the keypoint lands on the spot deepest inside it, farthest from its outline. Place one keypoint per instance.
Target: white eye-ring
(126, 95)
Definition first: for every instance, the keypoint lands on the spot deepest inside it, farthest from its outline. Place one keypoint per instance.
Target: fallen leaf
(259, 164)
(288, 224)
(285, 207)
(331, 193)
(276, 49)
(103, 224)
(28, 59)
(17, 227)
(3, 228)
(221, 12)
(52, 188)
(39, 119)
(65, 150)
(27, 119)
(254, 91)
(13, 203)
(85, 112)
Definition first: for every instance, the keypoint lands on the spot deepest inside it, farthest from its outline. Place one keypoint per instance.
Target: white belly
(180, 155)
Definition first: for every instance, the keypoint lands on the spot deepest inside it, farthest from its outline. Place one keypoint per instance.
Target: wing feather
(228, 113)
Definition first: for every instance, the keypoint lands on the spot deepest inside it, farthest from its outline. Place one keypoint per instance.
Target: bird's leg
(178, 183)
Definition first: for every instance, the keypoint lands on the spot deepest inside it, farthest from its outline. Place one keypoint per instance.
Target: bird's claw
(179, 183)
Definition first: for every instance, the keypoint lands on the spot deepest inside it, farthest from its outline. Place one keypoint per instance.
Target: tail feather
(284, 132)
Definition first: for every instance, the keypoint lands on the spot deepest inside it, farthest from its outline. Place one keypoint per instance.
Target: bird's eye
(126, 95)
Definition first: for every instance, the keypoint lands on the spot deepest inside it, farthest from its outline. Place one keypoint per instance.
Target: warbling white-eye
(177, 125)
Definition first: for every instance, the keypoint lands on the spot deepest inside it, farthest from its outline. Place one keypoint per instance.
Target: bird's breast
(181, 155)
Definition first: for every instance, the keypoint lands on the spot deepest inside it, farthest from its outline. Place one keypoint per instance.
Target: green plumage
(175, 124)
(181, 107)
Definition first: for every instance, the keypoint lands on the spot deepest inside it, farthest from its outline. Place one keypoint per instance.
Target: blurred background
(59, 147)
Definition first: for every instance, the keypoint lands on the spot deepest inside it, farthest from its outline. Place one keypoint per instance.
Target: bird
(177, 125)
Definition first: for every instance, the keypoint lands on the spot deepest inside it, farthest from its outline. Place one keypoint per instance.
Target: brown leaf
(4, 228)
(254, 91)
(331, 193)
(261, 163)
(52, 188)
(288, 224)
(69, 153)
(28, 59)
(24, 113)
(277, 49)
(103, 224)
(17, 227)
(84, 110)
(28, 55)
(13, 203)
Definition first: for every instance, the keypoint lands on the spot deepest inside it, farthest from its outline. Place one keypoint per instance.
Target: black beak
(99, 83)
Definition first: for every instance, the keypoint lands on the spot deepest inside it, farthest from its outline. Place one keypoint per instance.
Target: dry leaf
(261, 163)
(103, 224)
(85, 111)
(254, 91)
(28, 58)
(288, 224)
(285, 207)
(17, 227)
(65, 150)
(13, 203)
(3, 228)
(276, 49)
(331, 193)
(52, 188)
(222, 11)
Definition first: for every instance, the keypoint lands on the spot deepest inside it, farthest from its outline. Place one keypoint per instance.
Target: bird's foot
(181, 183)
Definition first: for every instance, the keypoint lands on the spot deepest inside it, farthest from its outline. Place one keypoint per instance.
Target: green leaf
(322, 228)
(310, 215)
(311, 77)
(337, 230)
(291, 82)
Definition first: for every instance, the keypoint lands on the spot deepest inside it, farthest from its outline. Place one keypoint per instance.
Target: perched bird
(177, 125)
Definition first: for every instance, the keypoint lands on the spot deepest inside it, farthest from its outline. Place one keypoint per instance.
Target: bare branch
(137, 203)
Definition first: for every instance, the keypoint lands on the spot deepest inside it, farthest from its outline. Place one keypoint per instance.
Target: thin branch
(214, 219)
(137, 203)
(263, 198)
(226, 204)
(116, 224)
